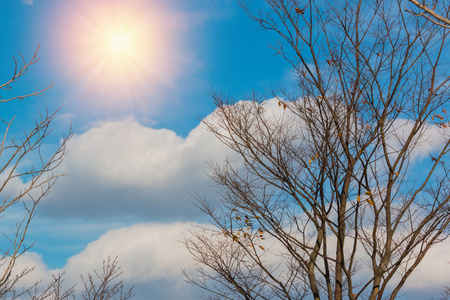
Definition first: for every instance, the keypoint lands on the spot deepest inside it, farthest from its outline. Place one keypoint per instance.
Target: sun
(114, 44)
(120, 52)
(121, 40)
(119, 44)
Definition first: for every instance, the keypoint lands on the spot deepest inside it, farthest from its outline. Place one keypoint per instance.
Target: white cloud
(150, 255)
(431, 138)
(122, 167)
(433, 271)
(151, 259)
(27, 261)
(146, 252)
(125, 168)
(12, 184)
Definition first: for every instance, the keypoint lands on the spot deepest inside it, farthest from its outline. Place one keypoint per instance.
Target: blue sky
(133, 160)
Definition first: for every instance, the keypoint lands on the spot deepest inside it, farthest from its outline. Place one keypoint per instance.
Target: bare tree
(343, 186)
(38, 179)
(431, 14)
(53, 291)
(9, 290)
(445, 294)
(105, 285)
(102, 286)
(36, 182)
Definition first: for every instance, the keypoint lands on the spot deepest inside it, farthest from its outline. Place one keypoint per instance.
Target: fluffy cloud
(150, 255)
(146, 252)
(132, 172)
(124, 168)
(430, 139)
(433, 271)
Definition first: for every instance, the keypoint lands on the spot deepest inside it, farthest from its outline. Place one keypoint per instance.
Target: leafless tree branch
(430, 13)
(324, 201)
(36, 181)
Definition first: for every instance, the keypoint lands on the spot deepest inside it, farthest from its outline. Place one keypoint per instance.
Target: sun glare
(130, 42)
(119, 49)
(119, 44)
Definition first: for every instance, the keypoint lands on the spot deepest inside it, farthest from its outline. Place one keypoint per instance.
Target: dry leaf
(299, 11)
